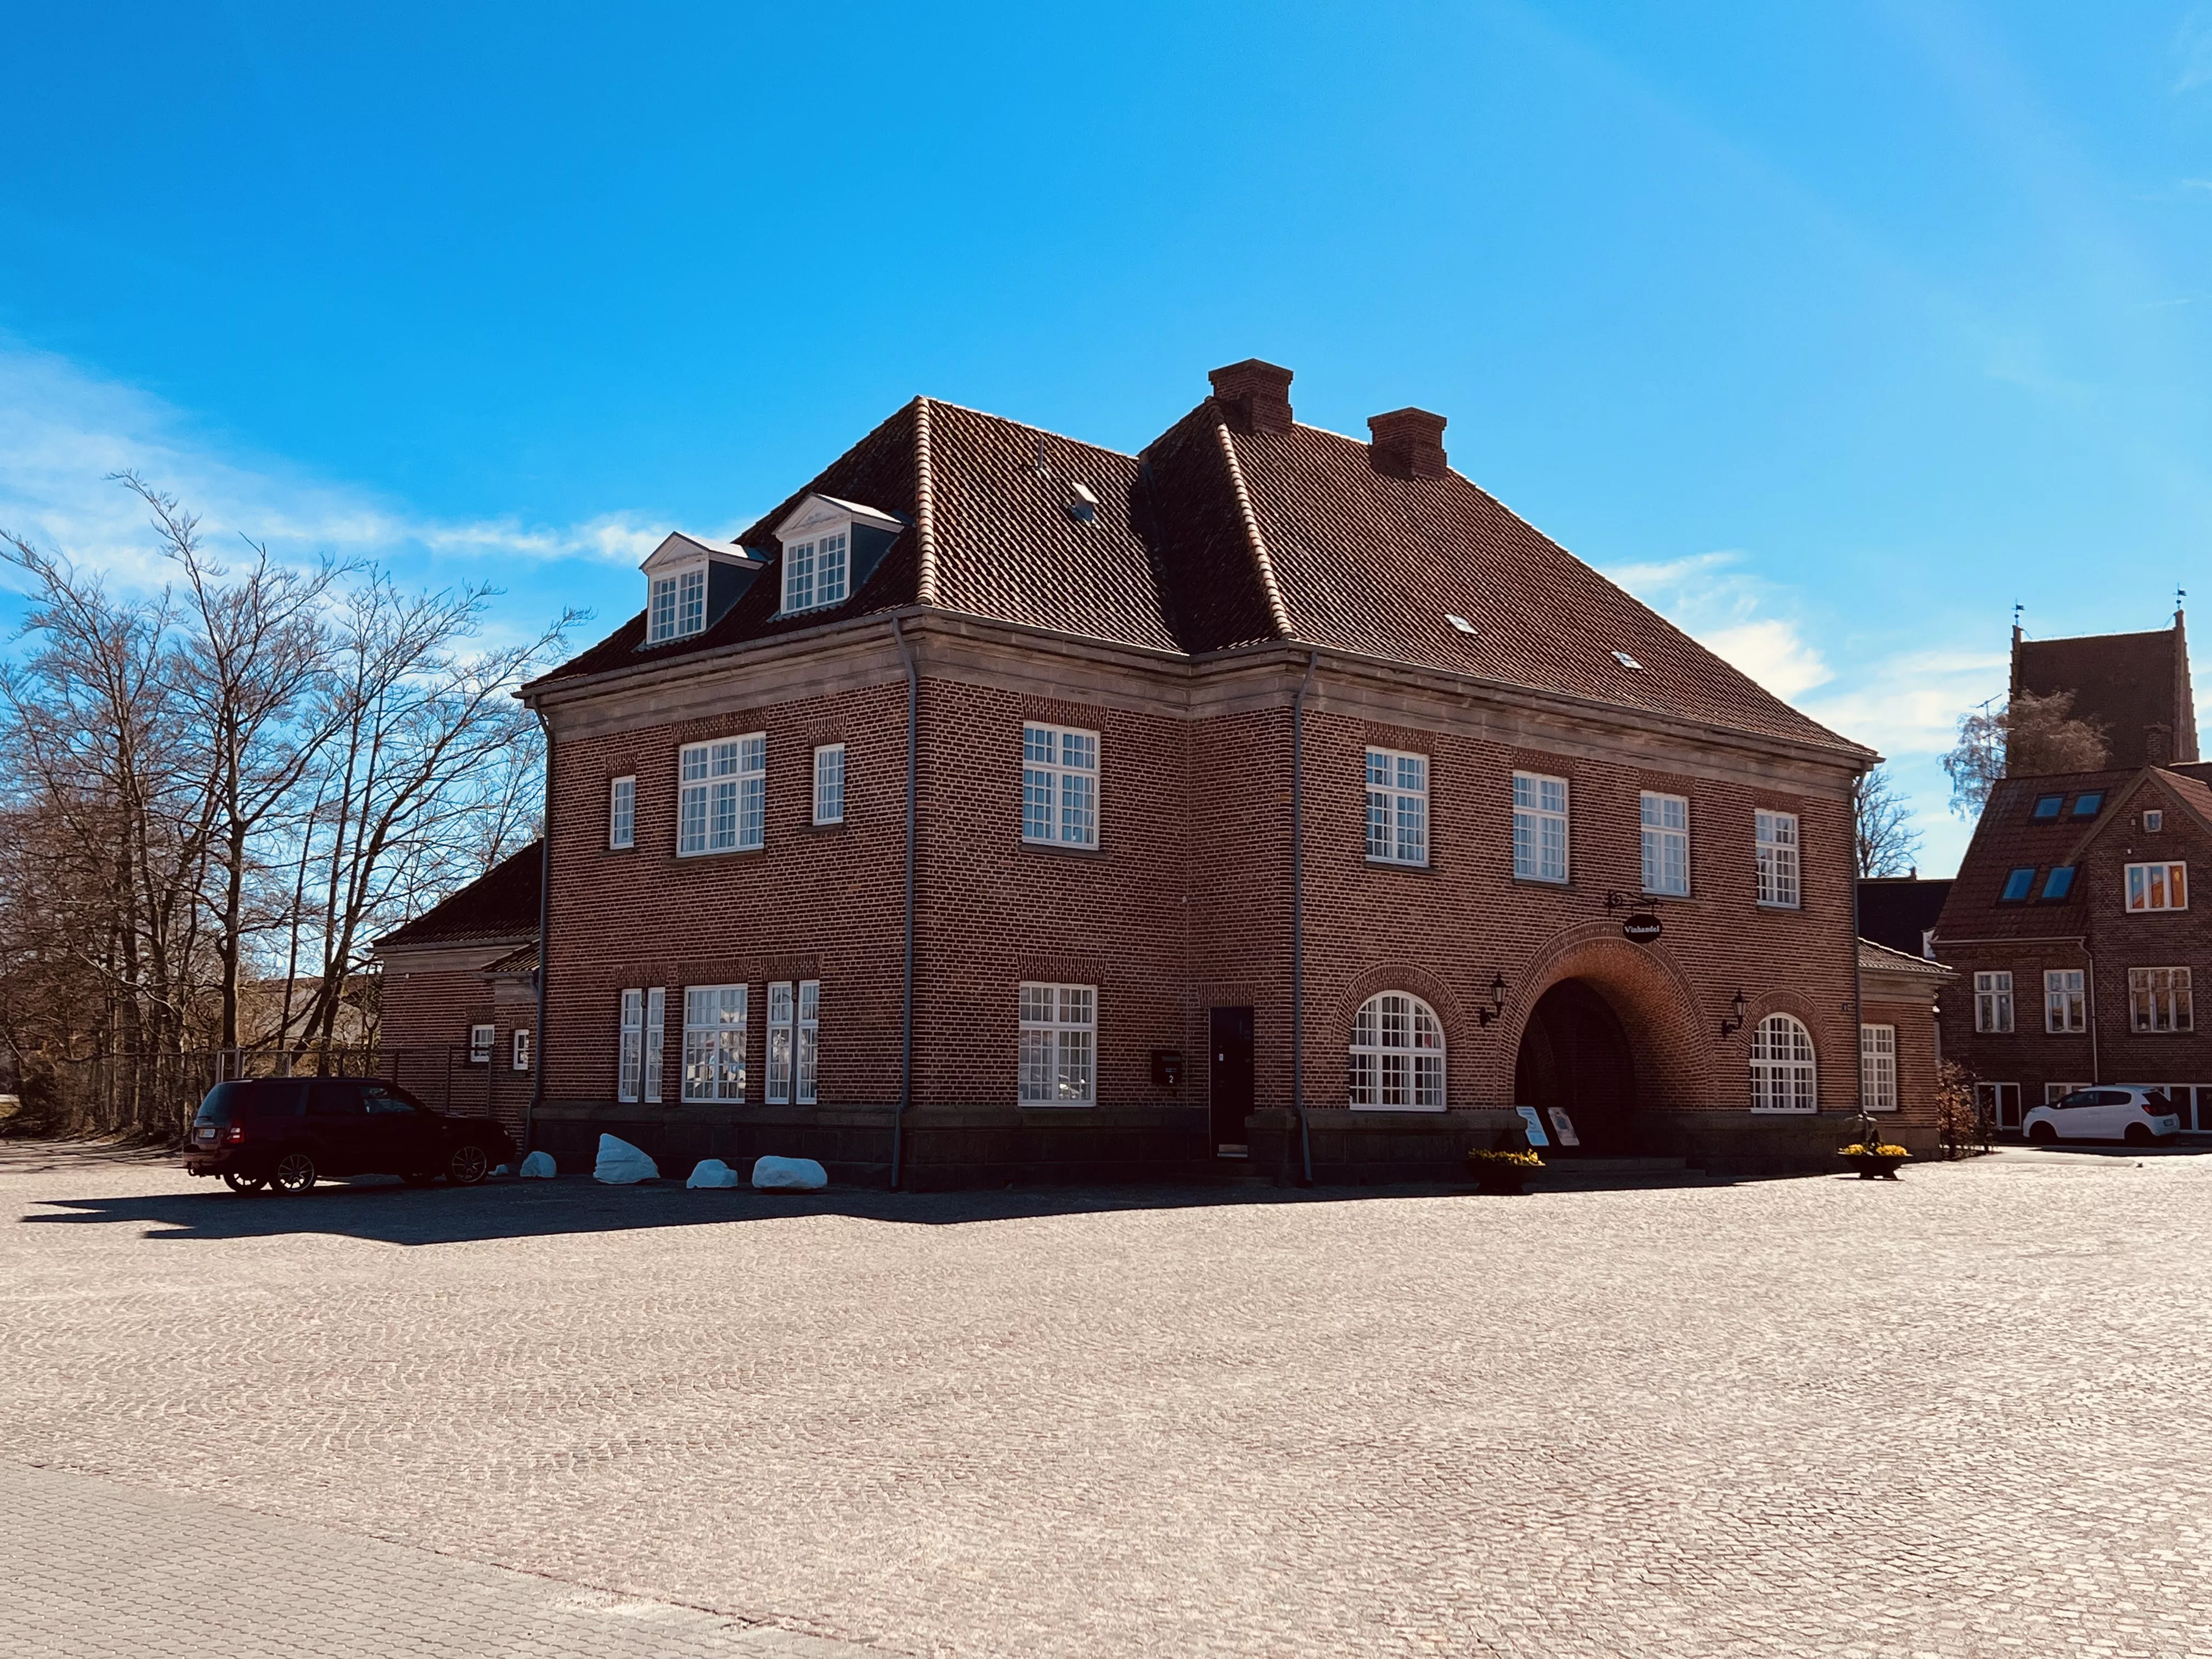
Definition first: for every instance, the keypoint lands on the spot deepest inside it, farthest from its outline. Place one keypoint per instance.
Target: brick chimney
(1254, 395)
(2158, 744)
(1407, 443)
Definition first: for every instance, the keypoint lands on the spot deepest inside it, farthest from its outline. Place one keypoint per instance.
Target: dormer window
(679, 605)
(814, 571)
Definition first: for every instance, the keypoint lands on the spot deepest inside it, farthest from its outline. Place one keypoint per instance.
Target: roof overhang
(814, 511)
(678, 550)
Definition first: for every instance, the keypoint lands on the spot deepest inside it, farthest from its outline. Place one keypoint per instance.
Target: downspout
(2089, 979)
(1299, 918)
(906, 994)
(1858, 996)
(545, 919)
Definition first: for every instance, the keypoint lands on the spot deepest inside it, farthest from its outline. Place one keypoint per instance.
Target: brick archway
(1646, 992)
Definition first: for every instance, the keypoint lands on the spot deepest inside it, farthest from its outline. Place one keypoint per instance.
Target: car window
(2107, 1097)
(334, 1100)
(380, 1099)
(276, 1100)
(2156, 1102)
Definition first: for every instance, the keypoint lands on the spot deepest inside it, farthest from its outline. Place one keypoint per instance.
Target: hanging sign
(1642, 929)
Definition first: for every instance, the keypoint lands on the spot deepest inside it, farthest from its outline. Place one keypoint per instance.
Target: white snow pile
(621, 1163)
(538, 1166)
(712, 1172)
(789, 1174)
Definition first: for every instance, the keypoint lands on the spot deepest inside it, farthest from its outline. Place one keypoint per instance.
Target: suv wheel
(294, 1173)
(244, 1183)
(2138, 1134)
(2042, 1133)
(468, 1165)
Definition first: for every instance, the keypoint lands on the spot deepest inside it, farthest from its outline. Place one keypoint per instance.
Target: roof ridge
(924, 509)
(1278, 612)
(1029, 426)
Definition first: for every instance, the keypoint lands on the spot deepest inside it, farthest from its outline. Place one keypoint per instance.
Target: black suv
(288, 1133)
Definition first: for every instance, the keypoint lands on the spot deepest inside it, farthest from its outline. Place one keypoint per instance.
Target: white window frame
(1543, 845)
(717, 1019)
(2153, 820)
(721, 796)
(1397, 807)
(675, 605)
(621, 814)
(482, 1040)
(1781, 871)
(1785, 1076)
(794, 1027)
(2066, 1001)
(630, 1052)
(2056, 1091)
(1059, 784)
(1396, 1057)
(1666, 825)
(830, 783)
(1993, 1001)
(2160, 1001)
(2154, 885)
(818, 571)
(520, 1056)
(656, 1035)
(1059, 1055)
(1878, 1068)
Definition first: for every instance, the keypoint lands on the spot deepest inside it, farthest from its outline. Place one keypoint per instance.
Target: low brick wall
(1362, 1149)
(1757, 1144)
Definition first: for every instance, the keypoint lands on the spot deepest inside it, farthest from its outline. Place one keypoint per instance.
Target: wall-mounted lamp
(1733, 1021)
(1497, 1001)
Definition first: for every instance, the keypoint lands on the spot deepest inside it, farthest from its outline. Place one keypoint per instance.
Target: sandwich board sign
(1536, 1135)
(1565, 1127)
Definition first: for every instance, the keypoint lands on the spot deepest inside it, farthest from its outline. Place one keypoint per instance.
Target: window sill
(823, 826)
(1055, 1105)
(1564, 883)
(1785, 1111)
(1772, 904)
(627, 847)
(1430, 1110)
(1651, 897)
(1076, 849)
(720, 853)
(1423, 868)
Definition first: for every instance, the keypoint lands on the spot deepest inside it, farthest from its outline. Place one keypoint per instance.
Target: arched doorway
(1574, 1054)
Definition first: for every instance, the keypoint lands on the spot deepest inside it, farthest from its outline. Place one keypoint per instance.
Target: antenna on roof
(1043, 470)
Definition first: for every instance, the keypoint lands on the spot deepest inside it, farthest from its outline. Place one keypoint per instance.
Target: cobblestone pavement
(1967, 1413)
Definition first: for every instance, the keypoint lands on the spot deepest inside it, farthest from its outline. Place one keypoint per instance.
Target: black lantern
(1497, 1000)
(1733, 1021)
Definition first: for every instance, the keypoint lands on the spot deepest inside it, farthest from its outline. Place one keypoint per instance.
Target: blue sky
(1831, 330)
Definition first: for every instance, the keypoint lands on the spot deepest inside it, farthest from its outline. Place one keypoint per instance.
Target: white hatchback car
(2134, 1112)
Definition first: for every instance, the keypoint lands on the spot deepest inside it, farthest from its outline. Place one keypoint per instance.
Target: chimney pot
(1255, 396)
(1407, 443)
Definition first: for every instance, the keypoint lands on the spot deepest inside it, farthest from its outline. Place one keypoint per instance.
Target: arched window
(1397, 1055)
(1782, 1066)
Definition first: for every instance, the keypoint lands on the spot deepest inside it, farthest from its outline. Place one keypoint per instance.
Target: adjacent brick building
(1001, 806)
(2072, 924)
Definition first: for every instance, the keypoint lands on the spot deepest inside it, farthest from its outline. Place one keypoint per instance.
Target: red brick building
(1002, 806)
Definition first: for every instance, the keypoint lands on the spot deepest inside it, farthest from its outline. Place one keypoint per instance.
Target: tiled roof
(501, 903)
(2127, 683)
(523, 959)
(1881, 958)
(1219, 536)
(1895, 911)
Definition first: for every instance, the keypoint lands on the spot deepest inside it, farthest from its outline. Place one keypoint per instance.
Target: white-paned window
(621, 813)
(2158, 886)
(521, 1060)
(1778, 859)
(630, 1066)
(1397, 1059)
(1781, 1067)
(814, 571)
(480, 1042)
(2158, 1000)
(656, 1035)
(1540, 827)
(1397, 806)
(721, 796)
(1993, 1002)
(1878, 1066)
(1060, 1045)
(2065, 1003)
(2154, 821)
(677, 606)
(793, 1039)
(714, 1042)
(1059, 786)
(1666, 844)
(830, 783)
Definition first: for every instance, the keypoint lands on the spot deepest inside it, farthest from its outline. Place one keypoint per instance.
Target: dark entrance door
(1575, 1055)
(1229, 1077)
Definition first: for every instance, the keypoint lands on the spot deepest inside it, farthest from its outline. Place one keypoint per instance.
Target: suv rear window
(229, 1103)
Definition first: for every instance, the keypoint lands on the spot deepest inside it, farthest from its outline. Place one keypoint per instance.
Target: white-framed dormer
(830, 546)
(690, 581)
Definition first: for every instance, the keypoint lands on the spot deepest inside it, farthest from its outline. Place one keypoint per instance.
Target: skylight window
(2047, 806)
(2018, 885)
(2088, 803)
(2058, 883)
(1625, 660)
(1460, 622)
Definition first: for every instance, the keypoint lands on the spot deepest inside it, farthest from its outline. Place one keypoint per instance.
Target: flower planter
(1502, 1173)
(1875, 1166)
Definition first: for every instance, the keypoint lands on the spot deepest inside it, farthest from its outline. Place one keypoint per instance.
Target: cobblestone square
(1967, 1413)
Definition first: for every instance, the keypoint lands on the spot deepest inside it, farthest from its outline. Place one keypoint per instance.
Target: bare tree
(2030, 737)
(1885, 841)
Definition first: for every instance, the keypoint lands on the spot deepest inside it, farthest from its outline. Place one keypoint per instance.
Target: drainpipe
(1299, 918)
(2090, 980)
(1858, 999)
(906, 1000)
(545, 918)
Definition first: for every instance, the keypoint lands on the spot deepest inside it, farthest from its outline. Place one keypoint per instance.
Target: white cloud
(1715, 601)
(2192, 45)
(64, 432)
